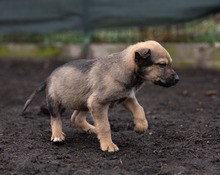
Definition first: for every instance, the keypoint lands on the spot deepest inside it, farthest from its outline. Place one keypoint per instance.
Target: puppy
(97, 84)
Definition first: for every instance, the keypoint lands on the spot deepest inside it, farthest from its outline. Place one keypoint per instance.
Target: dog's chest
(130, 94)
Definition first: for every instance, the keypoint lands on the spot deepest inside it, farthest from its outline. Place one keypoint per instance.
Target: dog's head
(155, 63)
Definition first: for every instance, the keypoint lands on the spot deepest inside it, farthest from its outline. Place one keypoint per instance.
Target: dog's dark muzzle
(168, 82)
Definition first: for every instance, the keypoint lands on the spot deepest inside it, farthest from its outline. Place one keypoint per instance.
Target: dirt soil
(183, 135)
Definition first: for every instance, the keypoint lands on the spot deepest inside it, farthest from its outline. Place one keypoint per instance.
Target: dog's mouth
(167, 83)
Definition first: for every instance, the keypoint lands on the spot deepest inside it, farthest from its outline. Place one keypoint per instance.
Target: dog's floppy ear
(142, 55)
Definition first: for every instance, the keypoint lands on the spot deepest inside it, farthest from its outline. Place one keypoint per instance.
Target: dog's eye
(162, 65)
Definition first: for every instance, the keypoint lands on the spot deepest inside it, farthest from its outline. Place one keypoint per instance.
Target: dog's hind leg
(132, 105)
(56, 123)
(79, 119)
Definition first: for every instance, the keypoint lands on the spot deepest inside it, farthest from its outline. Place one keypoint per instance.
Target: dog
(95, 85)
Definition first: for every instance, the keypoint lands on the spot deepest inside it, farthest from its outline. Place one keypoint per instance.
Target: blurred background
(65, 30)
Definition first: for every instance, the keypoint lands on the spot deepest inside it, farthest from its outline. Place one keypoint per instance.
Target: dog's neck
(137, 74)
(138, 78)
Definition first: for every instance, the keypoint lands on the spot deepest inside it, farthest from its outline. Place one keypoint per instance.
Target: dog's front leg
(100, 115)
(132, 105)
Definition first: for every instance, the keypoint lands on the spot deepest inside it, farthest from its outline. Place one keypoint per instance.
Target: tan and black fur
(97, 84)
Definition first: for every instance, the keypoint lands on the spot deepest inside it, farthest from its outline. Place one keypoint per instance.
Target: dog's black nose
(176, 78)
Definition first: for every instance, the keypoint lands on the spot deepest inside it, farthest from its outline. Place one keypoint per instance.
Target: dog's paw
(141, 127)
(110, 147)
(58, 137)
(91, 130)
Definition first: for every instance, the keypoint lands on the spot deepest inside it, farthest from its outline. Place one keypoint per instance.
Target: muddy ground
(183, 135)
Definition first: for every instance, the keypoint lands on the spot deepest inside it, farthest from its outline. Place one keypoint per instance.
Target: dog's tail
(41, 88)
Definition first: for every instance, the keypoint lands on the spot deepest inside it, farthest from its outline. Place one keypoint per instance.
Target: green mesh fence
(39, 16)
